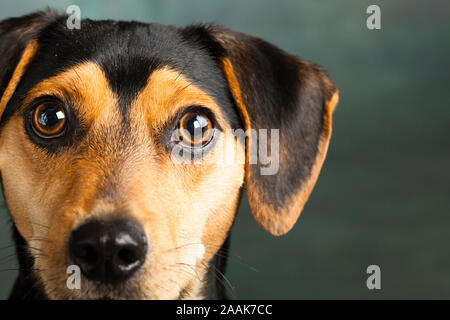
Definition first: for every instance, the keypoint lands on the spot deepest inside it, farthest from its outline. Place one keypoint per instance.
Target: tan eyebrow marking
(166, 93)
(85, 85)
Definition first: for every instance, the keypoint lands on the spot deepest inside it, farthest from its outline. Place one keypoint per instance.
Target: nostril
(87, 252)
(127, 256)
(131, 246)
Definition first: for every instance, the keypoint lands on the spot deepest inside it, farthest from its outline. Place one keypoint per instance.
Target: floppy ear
(17, 48)
(275, 90)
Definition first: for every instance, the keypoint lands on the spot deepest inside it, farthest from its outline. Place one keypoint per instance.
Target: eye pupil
(196, 129)
(50, 116)
(196, 123)
(49, 120)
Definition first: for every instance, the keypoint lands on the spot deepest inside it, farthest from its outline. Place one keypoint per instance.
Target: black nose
(108, 251)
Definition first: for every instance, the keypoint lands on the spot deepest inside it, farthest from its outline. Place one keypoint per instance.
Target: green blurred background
(383, 195)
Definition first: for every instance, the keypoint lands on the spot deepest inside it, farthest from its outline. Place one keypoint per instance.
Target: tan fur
(185, 210)
(27, 55)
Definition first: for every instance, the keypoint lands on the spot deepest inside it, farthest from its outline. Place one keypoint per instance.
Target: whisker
(39, 224)
(7, 258)
(31, 222)
(236, 259)
(7, 247)
(192, 267)
(221, 274)
(41, 239)
(225, 253)
(11, 269)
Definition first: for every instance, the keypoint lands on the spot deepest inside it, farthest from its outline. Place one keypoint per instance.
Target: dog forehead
(128, 53)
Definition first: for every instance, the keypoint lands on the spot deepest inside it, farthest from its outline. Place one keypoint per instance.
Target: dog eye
(49, 120)
(196, 129)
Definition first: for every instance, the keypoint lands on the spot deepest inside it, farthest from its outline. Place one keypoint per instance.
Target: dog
(87, 165)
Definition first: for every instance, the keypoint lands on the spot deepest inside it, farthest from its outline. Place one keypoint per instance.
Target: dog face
(97, 125)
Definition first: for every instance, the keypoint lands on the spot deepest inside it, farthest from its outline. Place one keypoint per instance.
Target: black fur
(26, 286)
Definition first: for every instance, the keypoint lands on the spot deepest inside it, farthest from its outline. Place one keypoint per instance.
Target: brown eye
(49, 120)
(196, 129)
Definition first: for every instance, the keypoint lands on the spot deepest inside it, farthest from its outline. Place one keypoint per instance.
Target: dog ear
(275, 90)
(17, 48)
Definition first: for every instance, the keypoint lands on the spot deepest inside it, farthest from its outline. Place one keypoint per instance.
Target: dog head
(115, 143)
